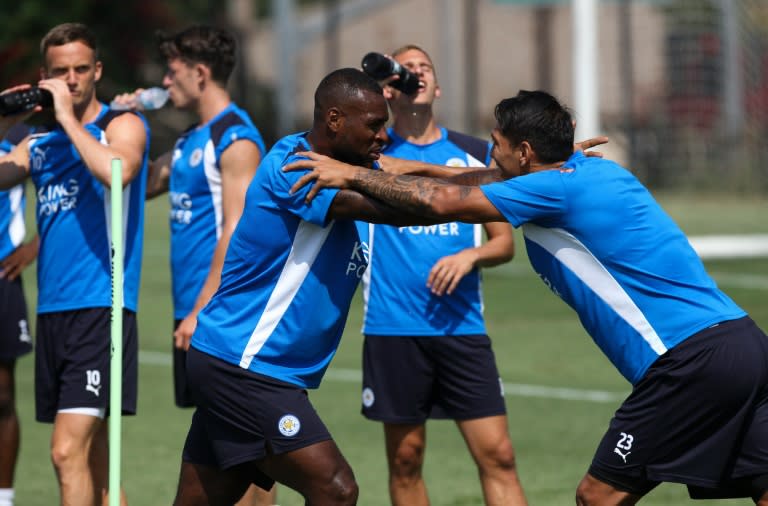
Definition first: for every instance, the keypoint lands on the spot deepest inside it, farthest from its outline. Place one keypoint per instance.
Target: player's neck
(540, 167)
(211, 102)
(89, 112)
(417, 126)
(317, 143)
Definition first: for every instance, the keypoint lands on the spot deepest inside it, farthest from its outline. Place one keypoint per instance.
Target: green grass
(537, 341)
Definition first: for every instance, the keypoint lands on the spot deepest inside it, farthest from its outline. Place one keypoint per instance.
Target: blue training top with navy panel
(288, 278)
(599, 240)
(196, 201)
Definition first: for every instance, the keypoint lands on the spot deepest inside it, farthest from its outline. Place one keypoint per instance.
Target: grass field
(561, 391)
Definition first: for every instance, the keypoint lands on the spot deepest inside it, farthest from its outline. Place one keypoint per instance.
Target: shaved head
(342, 87)
(350, 117)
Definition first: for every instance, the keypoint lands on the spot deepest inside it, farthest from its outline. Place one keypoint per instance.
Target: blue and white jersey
(12, 202)
(195, 197)
(74, 223)
(600, 241)
(288, 278)
(397, 300)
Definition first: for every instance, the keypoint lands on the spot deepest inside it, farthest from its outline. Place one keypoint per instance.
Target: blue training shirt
(12, 201)
(196, 203)
(73, 220)
(288, 278)
(397, 299)
(599, 240)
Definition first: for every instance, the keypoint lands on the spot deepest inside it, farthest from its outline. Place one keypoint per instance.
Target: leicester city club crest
(195, 157)
(368, 397)
(289, 425)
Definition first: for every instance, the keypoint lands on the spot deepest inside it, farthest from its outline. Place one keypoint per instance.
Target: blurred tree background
(127, 36)
(683, 84)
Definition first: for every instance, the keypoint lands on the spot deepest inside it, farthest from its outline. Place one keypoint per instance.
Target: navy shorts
(72, 361)
(181, 393)
(15, 340)
(699, 416)
(243, 417)
(409, 379)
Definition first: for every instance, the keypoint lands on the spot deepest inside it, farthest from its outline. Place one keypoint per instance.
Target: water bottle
(147, 100)
(24, 100)
(380, 67)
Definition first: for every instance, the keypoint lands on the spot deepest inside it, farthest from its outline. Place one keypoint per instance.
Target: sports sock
(6, 497)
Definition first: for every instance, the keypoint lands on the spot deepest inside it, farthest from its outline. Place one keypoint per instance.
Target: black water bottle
(380, 67)
(24, 100)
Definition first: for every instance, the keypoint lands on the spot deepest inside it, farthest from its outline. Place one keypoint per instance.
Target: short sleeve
(280, 184)
(528, 198)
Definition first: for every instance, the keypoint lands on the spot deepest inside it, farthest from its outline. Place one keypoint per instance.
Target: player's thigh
(683, 422)
(467, 383)
(181, 393)
(7, 386)
(201, 485)
(15, 340)
(74, 432)
(72, 363)
(487, 438)
(398, 379)
(310, 469)
(752, 457)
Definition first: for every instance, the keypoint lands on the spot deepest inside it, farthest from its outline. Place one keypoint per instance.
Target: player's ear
(202, 75)
(98, 68)
(334, 119)
(437, 91)
(202, 72)
(526, 153)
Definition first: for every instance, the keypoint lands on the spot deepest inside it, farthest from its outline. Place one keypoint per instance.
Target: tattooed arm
(409, 196)
(429, 197)
(351, 205)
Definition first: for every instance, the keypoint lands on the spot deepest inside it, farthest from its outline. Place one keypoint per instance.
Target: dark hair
(66, 33)
(341, 86)
(211, 46)
(537, 117)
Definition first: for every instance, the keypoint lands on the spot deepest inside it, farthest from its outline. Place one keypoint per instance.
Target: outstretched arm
(472, 176)
(469, 176)
(434, 199)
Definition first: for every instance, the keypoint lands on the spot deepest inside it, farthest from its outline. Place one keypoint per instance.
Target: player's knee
(407, 461)
(587, 493)
(64, 454)
(343, 488)
(502, 457)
